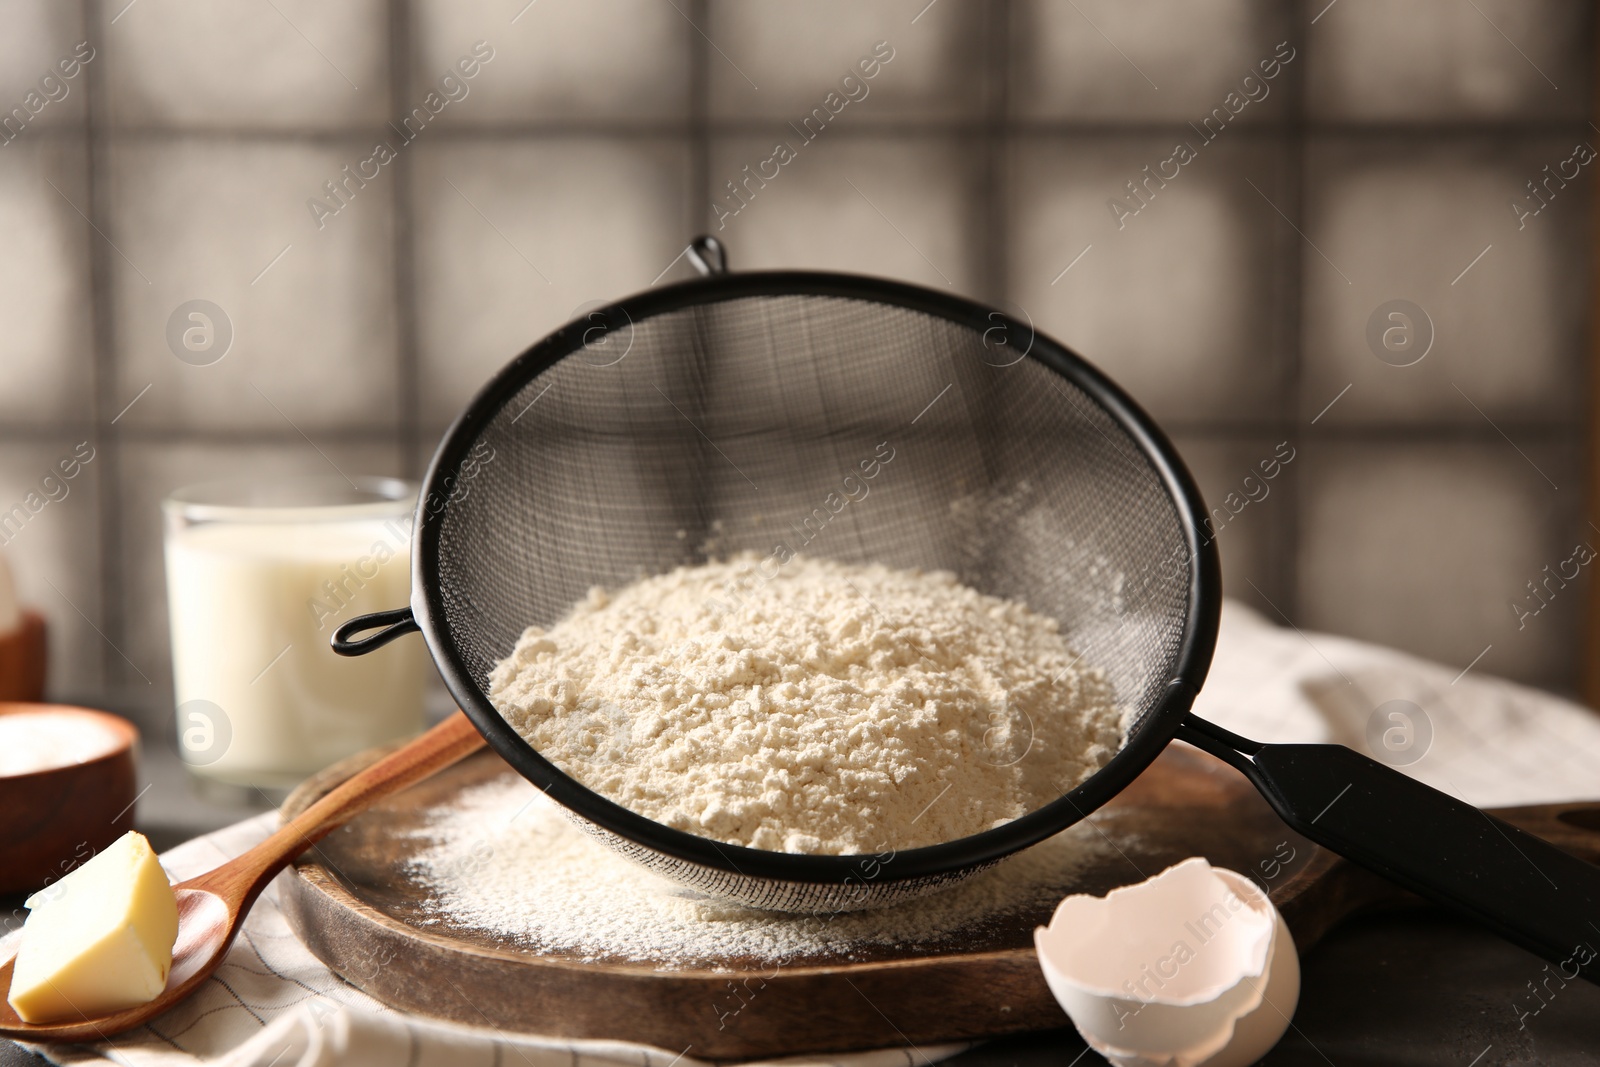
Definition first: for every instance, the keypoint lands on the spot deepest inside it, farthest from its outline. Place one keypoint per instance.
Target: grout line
(258, 435)
(1301, 232)
(1284, 525)
(1269, 131)
(699, 128)
(994, 206)
(1502, 433)
(103, 398)
(408, 358)
(696, 24)
(284, 415)
(96, 227)
(1219, 428)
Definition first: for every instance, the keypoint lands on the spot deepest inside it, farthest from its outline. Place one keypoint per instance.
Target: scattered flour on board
(814, 707)
(504, 859)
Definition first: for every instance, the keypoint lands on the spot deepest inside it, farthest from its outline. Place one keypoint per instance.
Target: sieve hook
(394, 623)
(708, 255)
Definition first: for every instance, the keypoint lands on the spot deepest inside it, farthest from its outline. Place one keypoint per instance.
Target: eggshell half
(1192, 967)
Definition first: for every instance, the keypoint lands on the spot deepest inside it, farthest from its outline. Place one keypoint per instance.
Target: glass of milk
(259, 575)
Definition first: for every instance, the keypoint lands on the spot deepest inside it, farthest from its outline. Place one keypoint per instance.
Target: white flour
(813, 707)
(504, 859)
(33, 741)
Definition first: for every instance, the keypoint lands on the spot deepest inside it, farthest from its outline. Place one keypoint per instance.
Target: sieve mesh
(719, 423)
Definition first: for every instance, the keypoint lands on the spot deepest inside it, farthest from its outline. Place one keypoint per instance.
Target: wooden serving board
(352, 903)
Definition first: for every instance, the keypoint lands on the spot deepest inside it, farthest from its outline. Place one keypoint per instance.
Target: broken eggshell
(1192, 967)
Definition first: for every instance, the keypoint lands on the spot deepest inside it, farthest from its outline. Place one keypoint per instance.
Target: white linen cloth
(273, 1004)
(1495, 743)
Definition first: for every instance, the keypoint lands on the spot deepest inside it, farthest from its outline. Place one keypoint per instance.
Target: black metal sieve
(742, 412)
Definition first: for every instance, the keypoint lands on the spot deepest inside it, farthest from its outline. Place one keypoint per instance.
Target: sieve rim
(1158, 726)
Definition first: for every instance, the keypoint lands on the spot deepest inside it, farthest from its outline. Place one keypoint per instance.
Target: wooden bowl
(57, 818)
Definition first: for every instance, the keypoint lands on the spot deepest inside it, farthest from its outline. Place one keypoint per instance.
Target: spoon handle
(240, 879)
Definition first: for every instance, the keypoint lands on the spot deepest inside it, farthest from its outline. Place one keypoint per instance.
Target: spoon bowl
(212, 906)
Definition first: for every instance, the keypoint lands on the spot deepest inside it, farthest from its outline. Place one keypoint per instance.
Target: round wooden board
(353, 904)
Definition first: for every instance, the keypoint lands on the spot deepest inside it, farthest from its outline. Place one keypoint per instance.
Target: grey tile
(287, 65)
(1393, 220)
(42, 63)
(149, 472)
(556, 60)
(313, 332)
(1429, 548)
(1172, 60)
(46, 348)
(1177, 301)
(774, 60)
(897, 206)
(514, 238)
(1439, 59)
(50, 536)
(1249, 486)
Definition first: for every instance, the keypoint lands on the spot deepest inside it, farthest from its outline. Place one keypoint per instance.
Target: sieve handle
(1527, 890)
(388, 624)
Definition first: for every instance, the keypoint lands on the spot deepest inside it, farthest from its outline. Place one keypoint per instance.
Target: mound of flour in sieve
(503, 859)
(816, 707)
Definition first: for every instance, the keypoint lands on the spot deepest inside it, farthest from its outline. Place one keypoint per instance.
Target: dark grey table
(1406, 989)
(1417, 988)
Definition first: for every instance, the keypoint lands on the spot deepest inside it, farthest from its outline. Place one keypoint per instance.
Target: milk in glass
(258, 578)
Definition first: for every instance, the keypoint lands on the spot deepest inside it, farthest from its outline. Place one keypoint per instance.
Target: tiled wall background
(1380, 165)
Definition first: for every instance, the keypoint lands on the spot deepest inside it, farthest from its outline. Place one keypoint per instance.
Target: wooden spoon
(212, 907)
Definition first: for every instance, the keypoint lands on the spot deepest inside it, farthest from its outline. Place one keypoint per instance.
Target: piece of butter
(99, 940)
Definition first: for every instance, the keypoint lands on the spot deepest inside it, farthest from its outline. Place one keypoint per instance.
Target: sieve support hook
(708, 255)
(387, 624)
